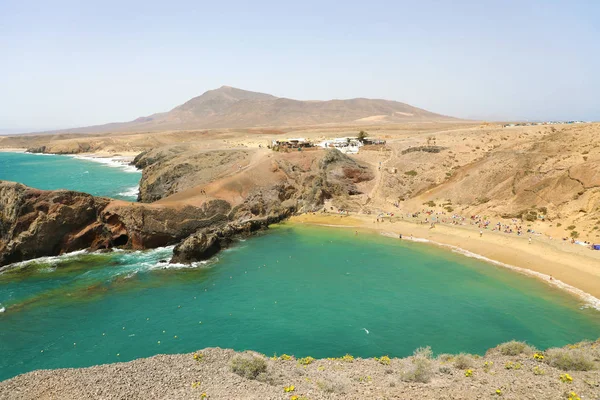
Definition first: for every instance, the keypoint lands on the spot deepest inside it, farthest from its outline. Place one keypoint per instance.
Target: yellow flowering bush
(306, 360)
(285, 357)
(204, 396)
(198, 356)
(499, 392)
(347, 358)
(385, 360)
(195, 385)
(469, 373)
(289, 389)
(566, 378)
(538, 356)
(573, 396)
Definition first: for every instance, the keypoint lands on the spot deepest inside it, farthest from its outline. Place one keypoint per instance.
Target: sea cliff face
(36, 223)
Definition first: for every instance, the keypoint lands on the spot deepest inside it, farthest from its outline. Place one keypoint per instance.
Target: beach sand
(573, 267)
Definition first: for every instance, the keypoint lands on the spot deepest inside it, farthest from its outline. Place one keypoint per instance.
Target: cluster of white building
(347, 145)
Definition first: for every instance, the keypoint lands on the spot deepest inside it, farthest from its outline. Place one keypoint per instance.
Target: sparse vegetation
(385, 360)
(249, 367)
(411, 173)
(306, 360)
(574, 234)
(463, 361)
(329, 386)
(362, 135)
(514, 348)
(421, 369)
(571, 227)
(429, 203)
(482, 200)
(570, 359)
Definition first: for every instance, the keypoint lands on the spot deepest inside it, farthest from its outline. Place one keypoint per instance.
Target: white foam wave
(48, 260)
(2, 309)
(114, 162)
(590, 301)
(131, 192)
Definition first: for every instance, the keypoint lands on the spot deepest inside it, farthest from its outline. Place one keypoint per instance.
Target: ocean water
(102, 177)
(296, 289)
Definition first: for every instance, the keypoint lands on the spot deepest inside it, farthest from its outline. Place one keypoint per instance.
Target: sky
(78, 63)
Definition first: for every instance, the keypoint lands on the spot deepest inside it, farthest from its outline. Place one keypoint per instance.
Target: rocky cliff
(36, 223)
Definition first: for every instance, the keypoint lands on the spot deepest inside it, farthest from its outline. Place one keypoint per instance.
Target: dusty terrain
(511, 371)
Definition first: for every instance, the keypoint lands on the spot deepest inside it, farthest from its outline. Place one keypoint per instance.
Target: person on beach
(529, 239)
(400, 236)
(480, 233)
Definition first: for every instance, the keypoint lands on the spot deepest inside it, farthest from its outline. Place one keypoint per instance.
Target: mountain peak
(230, 107)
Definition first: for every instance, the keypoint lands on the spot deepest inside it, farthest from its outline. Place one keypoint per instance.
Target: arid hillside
(545, 175)
(229, 107)
(512, 370)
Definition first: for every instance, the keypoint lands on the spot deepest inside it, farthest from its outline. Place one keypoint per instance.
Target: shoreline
(121, 160)
(572, 272)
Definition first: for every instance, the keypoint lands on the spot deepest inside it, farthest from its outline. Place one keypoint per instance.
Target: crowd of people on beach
(481, 222)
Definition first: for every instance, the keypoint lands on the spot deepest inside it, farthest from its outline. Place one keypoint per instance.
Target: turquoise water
(296, 290)
(64, 172)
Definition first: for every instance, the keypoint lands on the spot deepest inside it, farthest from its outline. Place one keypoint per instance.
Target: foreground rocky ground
(511, 371)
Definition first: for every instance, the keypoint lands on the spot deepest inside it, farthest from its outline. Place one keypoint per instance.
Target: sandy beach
(574, 268)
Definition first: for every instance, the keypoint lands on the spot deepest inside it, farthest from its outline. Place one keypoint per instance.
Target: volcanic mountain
(229, 107)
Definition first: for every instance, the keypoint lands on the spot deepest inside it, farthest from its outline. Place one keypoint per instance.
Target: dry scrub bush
(329, 386)
(248, 367)
(570, 359)
(423, 352)
(463, 361)
(514, 348)
(421, 368)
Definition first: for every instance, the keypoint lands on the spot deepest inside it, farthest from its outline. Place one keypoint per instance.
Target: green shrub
(530, 216)
(429, 203)
(411, 173)
(248, 367)
(574, 234)
(570, 359)
(514, 348)
(571, 227)
(463, 361)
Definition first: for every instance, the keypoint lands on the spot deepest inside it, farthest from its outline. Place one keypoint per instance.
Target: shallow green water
(50, 172)
(296, 290)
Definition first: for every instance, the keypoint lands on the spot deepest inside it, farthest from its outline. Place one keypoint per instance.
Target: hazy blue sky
(74, 63)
